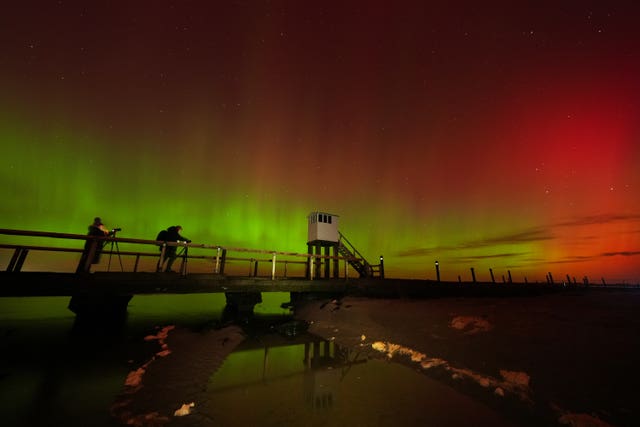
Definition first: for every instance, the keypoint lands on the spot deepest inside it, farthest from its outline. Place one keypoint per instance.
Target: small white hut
(323, 227)
(323, 236)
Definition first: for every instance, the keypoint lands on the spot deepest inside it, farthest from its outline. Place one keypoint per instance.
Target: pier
(128, 268)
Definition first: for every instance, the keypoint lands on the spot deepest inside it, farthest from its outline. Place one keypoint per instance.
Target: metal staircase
(355, 258)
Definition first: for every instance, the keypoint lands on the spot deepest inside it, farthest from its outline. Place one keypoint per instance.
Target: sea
(58, 370)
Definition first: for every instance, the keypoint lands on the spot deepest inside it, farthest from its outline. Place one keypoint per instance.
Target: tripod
(114, 243)
(183, 253)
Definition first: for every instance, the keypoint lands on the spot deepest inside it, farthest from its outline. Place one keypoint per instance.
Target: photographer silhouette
(93, 247)
(171, 234)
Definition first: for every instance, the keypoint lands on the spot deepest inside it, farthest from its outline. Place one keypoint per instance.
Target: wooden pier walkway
(67, 284)
(141, 279)
(25, 284)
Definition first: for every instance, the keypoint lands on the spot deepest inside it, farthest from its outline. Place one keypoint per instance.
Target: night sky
(500, 135)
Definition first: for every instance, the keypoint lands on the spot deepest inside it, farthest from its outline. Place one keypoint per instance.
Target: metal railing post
(135, 265)
(217, 268)
(161, 260)
(273, 267)
(223, 260)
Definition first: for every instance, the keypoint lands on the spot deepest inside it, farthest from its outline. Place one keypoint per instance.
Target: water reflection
(268, 381)
(326, 365)
(315, 365)
(58, 370)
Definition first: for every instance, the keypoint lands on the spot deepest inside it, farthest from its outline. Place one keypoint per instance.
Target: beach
(567, 358)
(549, 359)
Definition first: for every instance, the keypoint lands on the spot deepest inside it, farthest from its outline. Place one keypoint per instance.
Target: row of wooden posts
(548, 277)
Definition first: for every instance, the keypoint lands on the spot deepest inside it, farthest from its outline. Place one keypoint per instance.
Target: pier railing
(138, 256)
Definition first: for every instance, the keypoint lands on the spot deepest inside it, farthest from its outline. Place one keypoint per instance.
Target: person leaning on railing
(97, 229)
(172, 234)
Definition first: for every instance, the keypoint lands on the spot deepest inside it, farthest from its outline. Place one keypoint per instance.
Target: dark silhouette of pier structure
(332, 267)
(242, 274)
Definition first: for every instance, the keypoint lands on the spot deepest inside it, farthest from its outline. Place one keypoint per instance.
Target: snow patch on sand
(185, 409)
(193, 355)
(513, 382)
(470, 324)
(582, 420)
(134, 378)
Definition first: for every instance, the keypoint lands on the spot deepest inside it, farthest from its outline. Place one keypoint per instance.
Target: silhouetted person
(94, 246)
(171, 234)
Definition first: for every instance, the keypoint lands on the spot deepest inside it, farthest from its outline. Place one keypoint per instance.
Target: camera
(113, 230)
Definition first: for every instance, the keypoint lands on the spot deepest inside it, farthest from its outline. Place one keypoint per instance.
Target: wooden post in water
(509, 273)
(473, 275)
(493, 279)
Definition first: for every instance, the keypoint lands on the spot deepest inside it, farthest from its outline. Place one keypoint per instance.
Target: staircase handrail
(355, 251)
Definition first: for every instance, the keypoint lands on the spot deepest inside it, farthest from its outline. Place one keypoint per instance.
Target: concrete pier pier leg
(98, 306)
(242, 302)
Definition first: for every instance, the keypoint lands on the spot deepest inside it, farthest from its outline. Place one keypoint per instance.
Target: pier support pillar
(99, 306)
(242, 302)
(323, 254)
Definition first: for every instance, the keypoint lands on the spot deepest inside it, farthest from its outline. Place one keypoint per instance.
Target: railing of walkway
(144, 260)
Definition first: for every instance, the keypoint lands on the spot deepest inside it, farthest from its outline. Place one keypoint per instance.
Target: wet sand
(566, 358)
(166, 385)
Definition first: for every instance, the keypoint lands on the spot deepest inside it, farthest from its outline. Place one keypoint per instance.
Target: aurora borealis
(501, 135)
